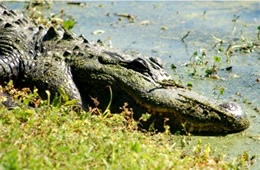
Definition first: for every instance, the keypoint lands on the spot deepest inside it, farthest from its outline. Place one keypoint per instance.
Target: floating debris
(204, 13)
(40, 3)
(145, 22)
(101, 5)
(189, 84)
(186, 35)
(173, 66)
(214, 76)
(98, 32)
(256, 137)
(130, 18)
(164, 28)
(234, 76)
(257, 109)
(81, 4)
(245, 48)
(229, 68)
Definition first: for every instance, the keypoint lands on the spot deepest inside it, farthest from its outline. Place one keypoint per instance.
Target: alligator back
(25, 59)
(16, 35)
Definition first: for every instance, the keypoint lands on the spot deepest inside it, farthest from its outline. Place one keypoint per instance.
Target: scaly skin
(49, 58)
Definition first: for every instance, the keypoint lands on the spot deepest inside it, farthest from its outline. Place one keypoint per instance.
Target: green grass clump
(60, 136)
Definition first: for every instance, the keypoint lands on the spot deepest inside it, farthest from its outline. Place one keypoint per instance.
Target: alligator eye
(156, 61)
(139, 65)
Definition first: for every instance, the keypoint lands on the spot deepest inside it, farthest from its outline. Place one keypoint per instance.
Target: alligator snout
(197, 112)
(234, 109)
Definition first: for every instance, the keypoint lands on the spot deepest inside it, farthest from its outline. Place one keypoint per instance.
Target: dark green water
(203, 19)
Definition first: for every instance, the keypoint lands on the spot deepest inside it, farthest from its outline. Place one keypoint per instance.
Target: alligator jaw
(197, 113)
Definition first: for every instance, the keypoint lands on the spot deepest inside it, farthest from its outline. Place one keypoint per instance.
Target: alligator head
(144, 84)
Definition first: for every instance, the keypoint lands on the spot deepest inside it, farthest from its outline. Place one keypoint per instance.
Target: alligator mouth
(178, 123)
(227, 117)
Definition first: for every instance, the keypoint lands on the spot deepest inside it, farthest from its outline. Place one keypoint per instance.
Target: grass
(55, 136)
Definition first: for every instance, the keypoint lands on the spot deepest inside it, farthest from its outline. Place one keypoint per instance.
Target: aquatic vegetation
(199, 61)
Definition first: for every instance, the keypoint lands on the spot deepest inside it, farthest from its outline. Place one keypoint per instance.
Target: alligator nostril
(234, 109)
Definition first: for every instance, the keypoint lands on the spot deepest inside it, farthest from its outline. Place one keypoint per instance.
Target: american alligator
(50, 58)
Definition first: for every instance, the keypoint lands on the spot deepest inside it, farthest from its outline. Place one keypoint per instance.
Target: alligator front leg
(46, 73)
